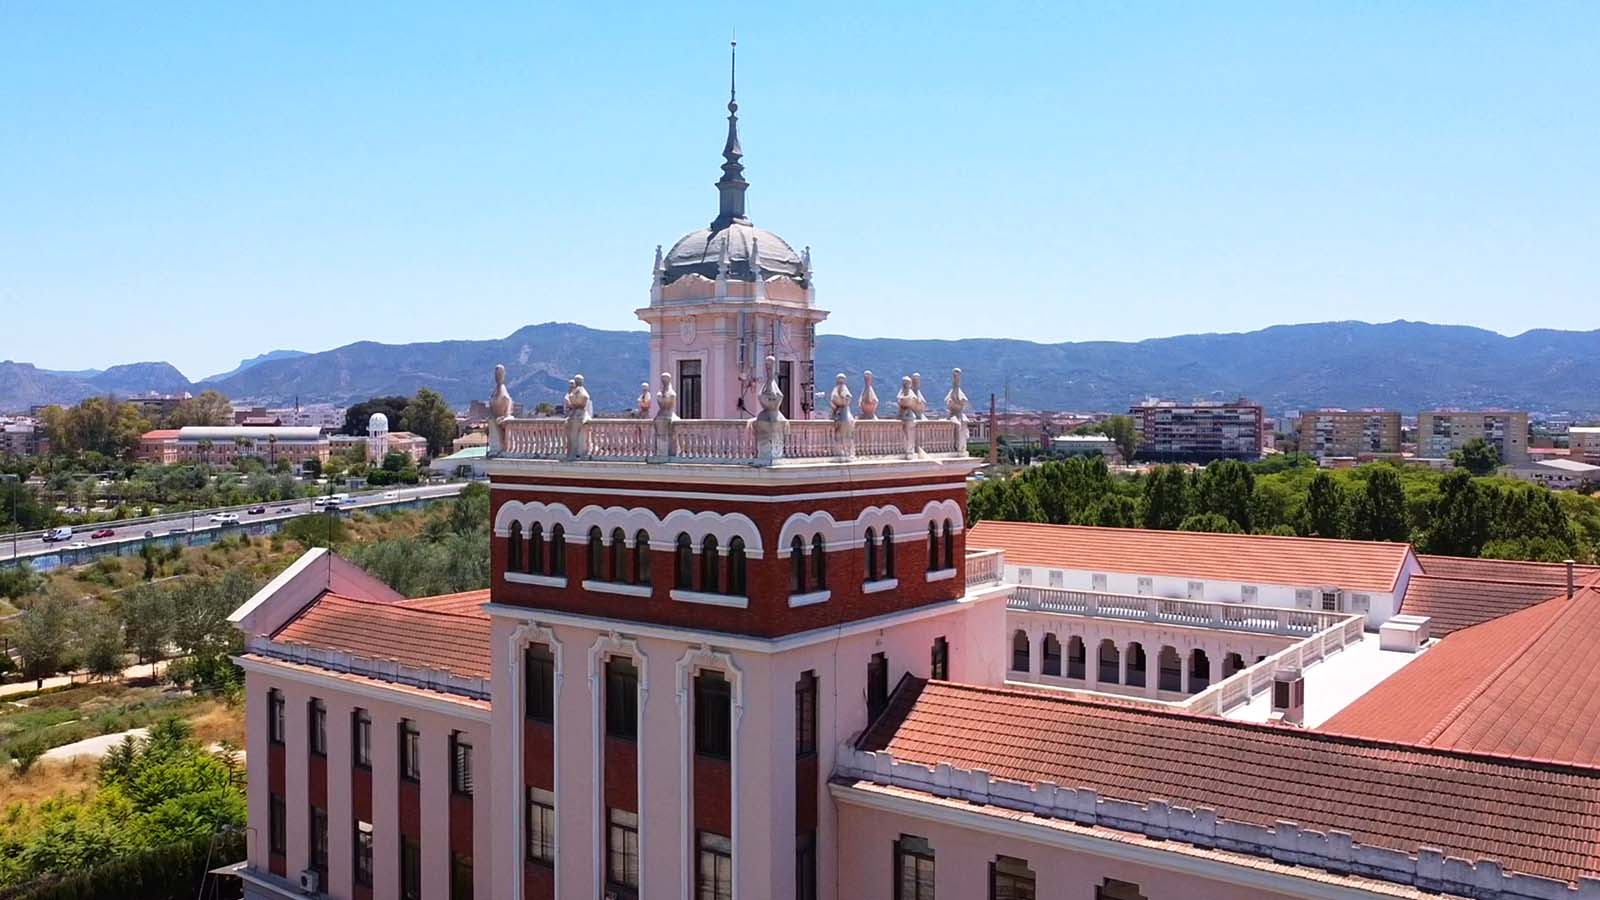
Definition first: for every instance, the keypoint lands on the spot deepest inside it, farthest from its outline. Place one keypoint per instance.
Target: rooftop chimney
(1571, 587)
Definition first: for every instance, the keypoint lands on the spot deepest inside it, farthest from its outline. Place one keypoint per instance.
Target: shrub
(25, 754)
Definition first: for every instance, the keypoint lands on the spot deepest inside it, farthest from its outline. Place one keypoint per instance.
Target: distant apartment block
(1584, 443)
(1199, 431)
(156, 406)
(1441, 431)
(1334, 433)
(22, 438)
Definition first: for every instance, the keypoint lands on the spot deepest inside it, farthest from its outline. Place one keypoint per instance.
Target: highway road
(199, 522)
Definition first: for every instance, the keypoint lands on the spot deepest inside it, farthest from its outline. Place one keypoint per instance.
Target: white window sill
(559, 581)
(615, 587)
(710, 599)
(809, 599)
(941, 574)
(882, 584)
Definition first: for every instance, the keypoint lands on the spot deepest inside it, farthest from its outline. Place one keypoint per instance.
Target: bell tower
(727, 296)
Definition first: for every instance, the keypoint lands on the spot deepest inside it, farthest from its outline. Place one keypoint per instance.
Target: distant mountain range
(1400, 365)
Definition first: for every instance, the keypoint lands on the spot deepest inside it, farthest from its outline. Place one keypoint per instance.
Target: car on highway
(391, 495)
(78, 545)
(104, 533)
(284, 509)
(177, 531)
(225, 518)
(64, 533)
(256, 510)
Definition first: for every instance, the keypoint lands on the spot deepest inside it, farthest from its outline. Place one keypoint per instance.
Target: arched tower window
(736, 567)
(514, 548)
(709, 563)
(619, 555)
(888, 552)
(949, 545)
(933, 547)
(819, 563)
(535, 549)
(641, 557)
(683, 563)
(558, 551)
(797, 565)
(1020, 661)
(596, 567)
(870, 543)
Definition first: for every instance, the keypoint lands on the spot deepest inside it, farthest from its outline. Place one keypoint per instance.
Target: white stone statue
(916, 388)
(956, 400)
(869, 397)
(666, 415)
(656, 273)
(578, 415)
(906, 401)
(755, 269)
(644, 399)
(844, 421)
(770, 425)
(499, 411)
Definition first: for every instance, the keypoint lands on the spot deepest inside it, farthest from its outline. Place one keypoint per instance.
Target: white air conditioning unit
(1289, 696)
(310, 881)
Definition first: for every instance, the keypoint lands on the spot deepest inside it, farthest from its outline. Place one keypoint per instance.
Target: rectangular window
(275, 716)
(1330, 601)
(1057, 578)
(460, 765)
(1024, 576)
(318, 716)
(713, 708)
(1147, 585)
(714, 873)
(541, 826)
(319, 841)
(539, 669)
(1011, 879)
(1248, 593)
(410, 869)
(361, 738)
(689, 389)
(460, 877)
(877, 686)
(622, 852)
(786, 387)
(622, 698)
(1097, 581)
(805, 715)
(913, 868)
(277, 826)
(1197, 590)
(363, 854)
(410, 751)
(805, 866)
(940, 669)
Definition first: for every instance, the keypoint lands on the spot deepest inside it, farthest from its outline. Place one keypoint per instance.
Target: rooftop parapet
(658, 435)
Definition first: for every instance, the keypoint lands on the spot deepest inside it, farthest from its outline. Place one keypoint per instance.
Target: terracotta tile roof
(467, 603)
(1457, 603)
(405, 632)
(1252, 558)
(1503, 570)
(1522, 685)
(1534, 818)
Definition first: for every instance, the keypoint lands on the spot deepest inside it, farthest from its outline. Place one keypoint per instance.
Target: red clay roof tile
(1454, 603)
(408, 632)
(1253, 558)
(1534, 818)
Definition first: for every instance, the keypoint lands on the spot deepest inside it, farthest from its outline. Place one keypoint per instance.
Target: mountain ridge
(1401, 365)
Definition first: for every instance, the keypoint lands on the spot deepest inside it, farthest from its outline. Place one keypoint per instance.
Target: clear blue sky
(203, 182)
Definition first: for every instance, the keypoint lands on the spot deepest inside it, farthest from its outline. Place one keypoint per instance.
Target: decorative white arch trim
(693, 661)
(525, 634)
(850, 533)
(605, 647)
(663, 532)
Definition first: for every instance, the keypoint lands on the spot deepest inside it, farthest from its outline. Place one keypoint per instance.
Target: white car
(78, 545)
(391, 495)
(225, 518)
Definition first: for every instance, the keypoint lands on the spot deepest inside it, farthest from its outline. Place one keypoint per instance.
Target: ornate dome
(699, 252)
(378, 423)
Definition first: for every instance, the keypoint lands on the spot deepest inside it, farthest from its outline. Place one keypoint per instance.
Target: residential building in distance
(1354, 434)
(1087, 445)
(1558, 473)
(157, 406)
(1441, 431)
(1200, 431)
(734, 658)
(225, 444)
(20, 436)
(1583, 443)
(379, 441)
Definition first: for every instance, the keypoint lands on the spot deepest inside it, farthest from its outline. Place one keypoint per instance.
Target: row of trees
(1454, 513)
(450, 555)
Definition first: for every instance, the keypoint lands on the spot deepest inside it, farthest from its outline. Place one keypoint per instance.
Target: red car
(103, 533)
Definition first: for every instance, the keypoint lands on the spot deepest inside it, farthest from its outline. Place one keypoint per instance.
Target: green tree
(1225, 487)
(1120, 429)
(147, 621)
(1214, 522)
(1004, 500)
(1379, 511)
(1166, 498)
(210, 408)
(1459, 519)
(356, 417)
(1325, 513)
(429, 416)
(42, 639)
(99, 636)
(1116, 511)
(19, 580)
(1476, 456)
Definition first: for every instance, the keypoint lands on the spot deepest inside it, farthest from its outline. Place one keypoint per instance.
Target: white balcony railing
(985, 567)
(1173, 611)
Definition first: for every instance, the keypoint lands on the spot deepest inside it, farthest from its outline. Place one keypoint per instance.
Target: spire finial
(731, 186)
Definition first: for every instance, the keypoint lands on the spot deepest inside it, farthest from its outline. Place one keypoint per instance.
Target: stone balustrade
(730, 440)
(1174, 611)
(1242, 686)
(985, 567)
(1283, 842)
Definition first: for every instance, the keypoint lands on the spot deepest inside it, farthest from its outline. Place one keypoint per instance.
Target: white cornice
(361, 686)
(785, 472)
(864, 490)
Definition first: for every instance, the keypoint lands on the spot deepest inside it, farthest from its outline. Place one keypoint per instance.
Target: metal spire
(731, 186)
